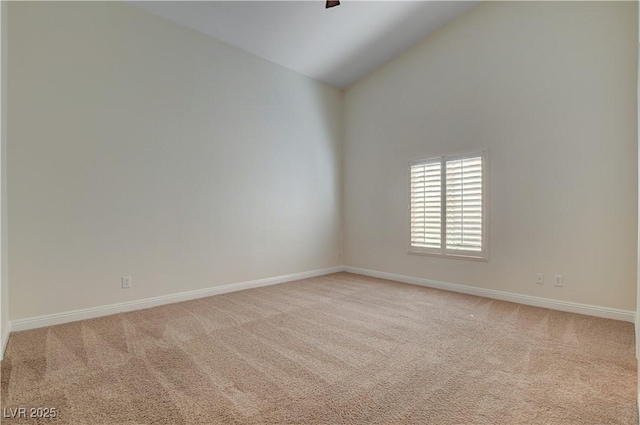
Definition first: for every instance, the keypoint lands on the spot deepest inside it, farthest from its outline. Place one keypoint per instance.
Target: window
(448, 206)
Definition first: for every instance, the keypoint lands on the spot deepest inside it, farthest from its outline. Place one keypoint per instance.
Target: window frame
(443, 252)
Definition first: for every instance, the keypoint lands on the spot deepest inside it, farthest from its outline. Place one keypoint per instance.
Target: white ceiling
(338, 45)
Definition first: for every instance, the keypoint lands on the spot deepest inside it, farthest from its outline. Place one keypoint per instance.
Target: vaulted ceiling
(337, 46)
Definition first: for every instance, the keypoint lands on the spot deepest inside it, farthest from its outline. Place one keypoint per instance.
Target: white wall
(142, 148)
(549, 88)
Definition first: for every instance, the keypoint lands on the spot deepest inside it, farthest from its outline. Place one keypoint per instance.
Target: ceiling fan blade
(332, 3)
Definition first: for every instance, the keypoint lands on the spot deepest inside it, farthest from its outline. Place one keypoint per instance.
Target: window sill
(450, 256)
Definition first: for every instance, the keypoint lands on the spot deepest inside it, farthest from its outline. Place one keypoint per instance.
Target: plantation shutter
(464, 204)
(447, 205)
(426, 205)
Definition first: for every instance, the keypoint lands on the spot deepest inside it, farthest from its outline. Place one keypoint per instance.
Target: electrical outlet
(539, 278)
(126, 282)
(557, 280)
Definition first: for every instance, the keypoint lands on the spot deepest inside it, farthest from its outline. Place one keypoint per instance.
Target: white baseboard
(590, 310)
(6, 332)
(106, 310)
(93, 312)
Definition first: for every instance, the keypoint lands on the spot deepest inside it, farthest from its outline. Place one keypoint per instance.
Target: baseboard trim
(106, 310)
(6, 333)
(590, 310)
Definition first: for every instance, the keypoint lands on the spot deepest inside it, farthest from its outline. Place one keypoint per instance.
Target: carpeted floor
(338, 349)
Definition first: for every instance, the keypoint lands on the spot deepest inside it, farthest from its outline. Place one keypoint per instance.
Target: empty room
(319, 212)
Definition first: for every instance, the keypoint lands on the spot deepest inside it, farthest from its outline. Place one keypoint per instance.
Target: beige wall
(637, 327)
(549, 88)
(4, 269)
(149, 150)
(142, 148)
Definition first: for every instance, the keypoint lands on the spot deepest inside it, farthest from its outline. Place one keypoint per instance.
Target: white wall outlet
(539, 278)
(557, 280)
(126, 282)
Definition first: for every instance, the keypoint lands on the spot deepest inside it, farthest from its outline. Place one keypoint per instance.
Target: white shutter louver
(426, 205)
(447, 206)
(464, 204)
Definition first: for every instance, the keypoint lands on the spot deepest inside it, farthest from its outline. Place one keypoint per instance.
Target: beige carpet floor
(338, 349)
